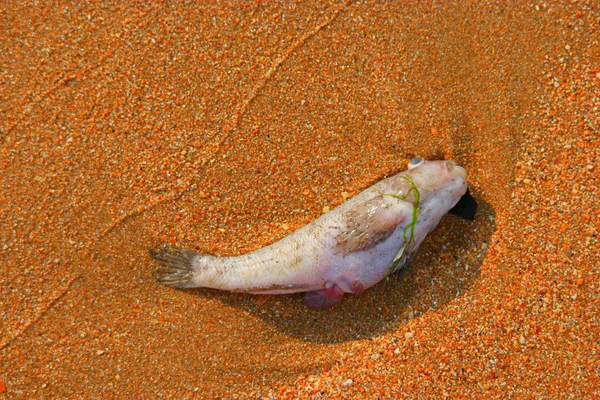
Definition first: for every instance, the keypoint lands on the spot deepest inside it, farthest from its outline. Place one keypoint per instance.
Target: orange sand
(128, 126)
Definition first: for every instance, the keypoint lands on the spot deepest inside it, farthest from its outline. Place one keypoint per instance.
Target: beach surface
(130, 126)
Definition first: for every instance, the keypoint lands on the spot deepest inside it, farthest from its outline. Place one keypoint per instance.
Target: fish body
(346, 250)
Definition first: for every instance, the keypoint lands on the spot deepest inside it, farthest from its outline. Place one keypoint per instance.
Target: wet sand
(127, 127)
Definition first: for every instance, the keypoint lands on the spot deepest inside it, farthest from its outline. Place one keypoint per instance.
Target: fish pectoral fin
(397, 261)
(399, 254)
(371, 223)
(324, 298)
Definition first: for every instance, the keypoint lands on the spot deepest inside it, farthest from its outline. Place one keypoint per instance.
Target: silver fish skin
(346, 250)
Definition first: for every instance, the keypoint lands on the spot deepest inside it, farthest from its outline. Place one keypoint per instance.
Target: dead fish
(346, 250)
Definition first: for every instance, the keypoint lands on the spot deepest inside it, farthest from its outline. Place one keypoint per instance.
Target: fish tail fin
(177, 268)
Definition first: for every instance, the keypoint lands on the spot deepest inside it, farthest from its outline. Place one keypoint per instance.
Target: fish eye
(415, 162)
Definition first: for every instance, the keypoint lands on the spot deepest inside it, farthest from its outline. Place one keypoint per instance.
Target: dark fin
(176, 268)
(465, 207)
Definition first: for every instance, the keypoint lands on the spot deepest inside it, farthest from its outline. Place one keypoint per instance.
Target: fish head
(434, 178)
